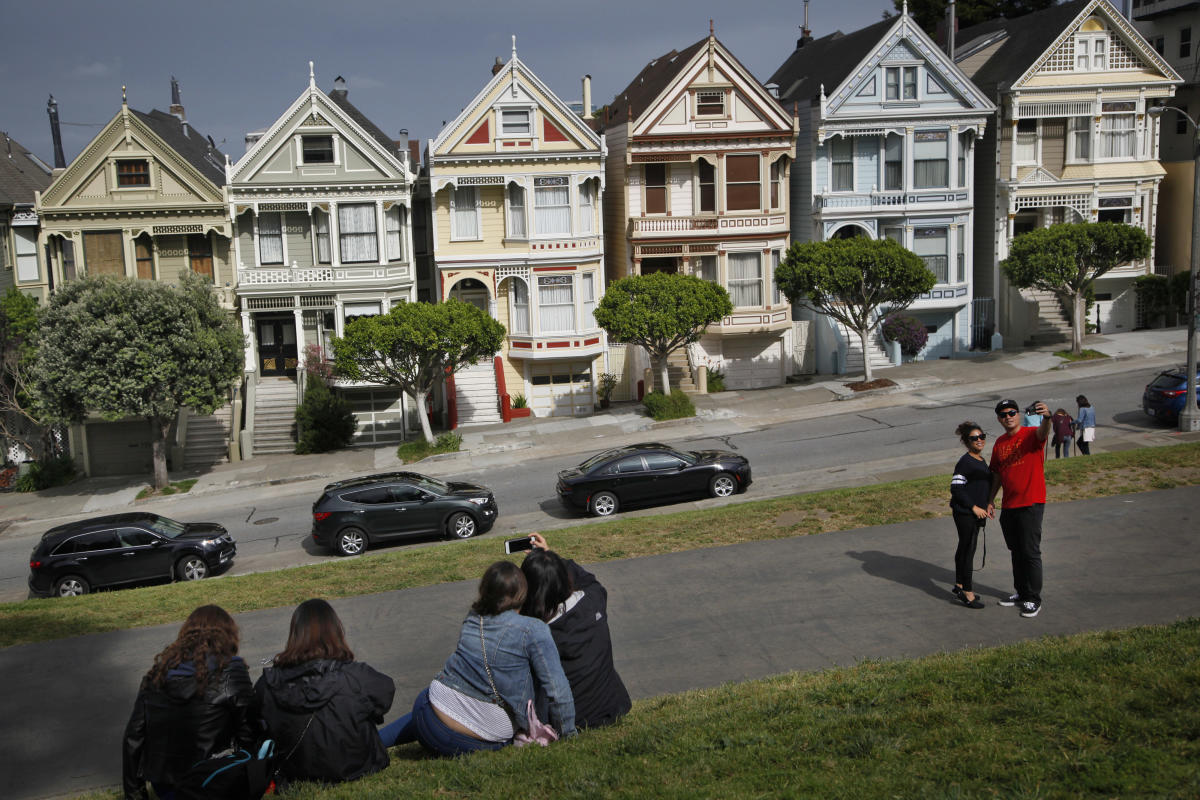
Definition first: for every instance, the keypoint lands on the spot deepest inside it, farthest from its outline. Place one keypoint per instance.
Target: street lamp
(1189, 418)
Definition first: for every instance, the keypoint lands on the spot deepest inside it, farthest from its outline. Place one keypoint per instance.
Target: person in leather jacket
(321, 706)
(194, 702)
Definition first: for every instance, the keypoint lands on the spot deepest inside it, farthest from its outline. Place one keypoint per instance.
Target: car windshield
(430, 484)
(166, 527)
(687, 456)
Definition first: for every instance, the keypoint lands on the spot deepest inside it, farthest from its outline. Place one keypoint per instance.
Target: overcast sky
(407, 65)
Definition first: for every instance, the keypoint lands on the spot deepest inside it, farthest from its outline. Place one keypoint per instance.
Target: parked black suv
(351, 515)
(75, 558)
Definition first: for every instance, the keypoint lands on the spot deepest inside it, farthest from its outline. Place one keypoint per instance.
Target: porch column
(298, 315)
(248, 333)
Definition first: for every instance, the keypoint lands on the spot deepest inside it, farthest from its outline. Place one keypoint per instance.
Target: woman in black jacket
(194, 702)
(321, 706)
(575, 605)
(969, 489)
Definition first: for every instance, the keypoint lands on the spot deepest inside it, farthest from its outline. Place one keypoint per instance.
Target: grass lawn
(174, 487)
(419, 448)
(1105, 715)
(1084, 355)
(1139, 470)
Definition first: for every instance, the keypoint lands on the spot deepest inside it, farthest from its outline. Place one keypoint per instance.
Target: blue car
(1165, 395)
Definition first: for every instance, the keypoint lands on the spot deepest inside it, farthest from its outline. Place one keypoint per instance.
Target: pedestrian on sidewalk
(194, 702)
(1064, 433)
(969, 489)
(574, 604)
(1086, 425)
(1018, 465)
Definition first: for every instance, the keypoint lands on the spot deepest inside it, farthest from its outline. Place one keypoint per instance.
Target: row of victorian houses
(527, 207)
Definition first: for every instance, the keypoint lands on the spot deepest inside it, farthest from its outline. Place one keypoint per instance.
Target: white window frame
(393, 238)
(1076, 126)
(587, 207)
(518, 286)
(516, 224)
(554, 281)
(719, 100)
(587, 300)
(373, 234)
(1091, 50)
(883, 161)
(503, 130)
(551, 183)
(333, 144)
(318, 234)
(258, 239)
(730, 281)
(1129, 133)
(836, 143)
(468, 236)
(1027, 159)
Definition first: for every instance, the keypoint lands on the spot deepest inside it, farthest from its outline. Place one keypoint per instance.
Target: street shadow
(554, 508)
(1140, 419)
(934, 580)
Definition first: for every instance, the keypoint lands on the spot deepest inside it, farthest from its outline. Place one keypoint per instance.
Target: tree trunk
(863, 335)
(421, 412)
(662, 372)
(1078, 323)
(159, 430)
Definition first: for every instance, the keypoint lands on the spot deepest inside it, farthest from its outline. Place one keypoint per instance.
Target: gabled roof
(341, 97)
(198, 149)
(826, 61)
(650, 83)
(21, 174)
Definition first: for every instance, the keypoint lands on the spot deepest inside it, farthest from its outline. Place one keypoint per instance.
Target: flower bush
(908, 331)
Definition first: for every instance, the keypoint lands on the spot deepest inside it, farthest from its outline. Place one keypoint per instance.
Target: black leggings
(964, 556)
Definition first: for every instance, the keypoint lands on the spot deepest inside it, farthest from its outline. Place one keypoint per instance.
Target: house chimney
(339, 86)
(60, 161)
(177, 106)
(805, 33)
(587, 96)
(499, 65)
(951, 29)
(402, 142)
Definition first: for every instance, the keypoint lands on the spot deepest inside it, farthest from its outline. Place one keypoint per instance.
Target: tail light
(321, 516)
(35, 565)
(1172, 392)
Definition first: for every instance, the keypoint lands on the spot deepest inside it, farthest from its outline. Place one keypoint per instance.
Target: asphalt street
(679, 621)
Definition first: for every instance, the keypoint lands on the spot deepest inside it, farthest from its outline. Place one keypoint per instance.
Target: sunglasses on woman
(978, 437)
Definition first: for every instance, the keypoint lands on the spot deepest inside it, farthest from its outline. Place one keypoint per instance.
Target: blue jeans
(423, 725)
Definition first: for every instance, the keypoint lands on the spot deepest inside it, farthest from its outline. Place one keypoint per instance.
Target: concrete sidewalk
(624, 423)
(680, 621)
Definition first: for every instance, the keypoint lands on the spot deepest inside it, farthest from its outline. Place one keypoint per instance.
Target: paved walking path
(679, 621)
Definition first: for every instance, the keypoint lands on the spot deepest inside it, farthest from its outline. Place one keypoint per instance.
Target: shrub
(716, 379)
(518, 401)
(608, 382)
(449, 442)
(46, 474)
(324, 420)
(674, 406)
(908, 331)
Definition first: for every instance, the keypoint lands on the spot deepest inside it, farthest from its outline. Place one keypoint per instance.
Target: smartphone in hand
(518, 545)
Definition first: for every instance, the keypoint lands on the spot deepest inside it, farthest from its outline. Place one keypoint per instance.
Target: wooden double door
(277, 353)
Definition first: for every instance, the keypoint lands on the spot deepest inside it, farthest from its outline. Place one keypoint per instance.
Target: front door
(277, 346)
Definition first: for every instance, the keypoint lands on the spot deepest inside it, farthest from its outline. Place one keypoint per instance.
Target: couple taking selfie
(533, 663)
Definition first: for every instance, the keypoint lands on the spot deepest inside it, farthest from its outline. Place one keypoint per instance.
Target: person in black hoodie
(321, 706)
(969, 488)
(194, 702)
(575, 605)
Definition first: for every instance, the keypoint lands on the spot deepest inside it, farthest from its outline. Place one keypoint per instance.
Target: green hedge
(674, 406)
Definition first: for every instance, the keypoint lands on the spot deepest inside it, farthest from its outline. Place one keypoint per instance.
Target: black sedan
(351, 515)
(75, 558)
(642, 474)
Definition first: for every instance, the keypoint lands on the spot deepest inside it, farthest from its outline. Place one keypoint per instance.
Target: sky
(406, 65)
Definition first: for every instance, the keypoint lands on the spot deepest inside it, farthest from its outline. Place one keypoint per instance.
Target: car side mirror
(426, 497)
(156, 542)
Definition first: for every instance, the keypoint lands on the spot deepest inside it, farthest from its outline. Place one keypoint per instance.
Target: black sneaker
(1030, 608)
(1011, 600)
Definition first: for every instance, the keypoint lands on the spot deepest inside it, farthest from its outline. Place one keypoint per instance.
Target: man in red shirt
(1018, 459)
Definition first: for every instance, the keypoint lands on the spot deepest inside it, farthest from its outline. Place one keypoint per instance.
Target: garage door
(379, 414)
(752, 363)
(119, 448)
(561, 389)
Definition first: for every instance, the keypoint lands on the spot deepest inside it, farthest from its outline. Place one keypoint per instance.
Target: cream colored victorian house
(698, 169)
(321, 203)
(1074, 144)
(142, 201)
(516, 182)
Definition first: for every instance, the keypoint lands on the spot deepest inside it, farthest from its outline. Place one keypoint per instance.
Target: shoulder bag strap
(500, 701)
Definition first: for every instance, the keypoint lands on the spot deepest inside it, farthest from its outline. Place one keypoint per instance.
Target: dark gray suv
(351, 515)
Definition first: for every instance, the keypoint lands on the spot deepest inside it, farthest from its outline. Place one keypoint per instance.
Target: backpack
(236, 775)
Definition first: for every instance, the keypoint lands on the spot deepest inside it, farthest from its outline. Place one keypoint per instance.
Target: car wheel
(71, 586)
(350, 542)
(604, 504)
(191, 568)
(722, 486)
(461, 525)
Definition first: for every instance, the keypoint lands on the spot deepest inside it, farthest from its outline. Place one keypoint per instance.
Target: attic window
(1091, 51)
(710, 104)
(133, 172)
(516, 123)
(317, 149)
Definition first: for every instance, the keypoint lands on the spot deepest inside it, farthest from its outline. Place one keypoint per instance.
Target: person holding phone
(574, 604)
(969, 488)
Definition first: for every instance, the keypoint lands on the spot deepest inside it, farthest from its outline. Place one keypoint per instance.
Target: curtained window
(552, 206)
(321, 235)
(931, 160)
(1116, 136)
(742, 189)
(587, 288)
(1025, 149)
(393, 229)
(587, 207)
(356, 233)
(745, 279)
(964, 143)
(556, 304)
(464, 213)
(520, 306)
(893, 163)
(1079, 142)
(842, 150)
(516, 211)
(776, 295)
(706, 268)
(270, 239)
(777, 184)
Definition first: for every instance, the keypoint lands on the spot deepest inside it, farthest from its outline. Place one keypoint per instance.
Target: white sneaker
(1011, 600)
(1030, 608)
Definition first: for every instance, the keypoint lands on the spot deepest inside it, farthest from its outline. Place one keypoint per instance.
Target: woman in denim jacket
(479, 700)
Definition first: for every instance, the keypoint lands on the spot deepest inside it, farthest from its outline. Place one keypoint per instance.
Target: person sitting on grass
(574, 604)
(481, 698)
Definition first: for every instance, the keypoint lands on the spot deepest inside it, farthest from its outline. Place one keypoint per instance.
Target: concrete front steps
(476, 394)
(1053, 324)
(679, 372)
(275, 416)
(207, 438)
(854, 354)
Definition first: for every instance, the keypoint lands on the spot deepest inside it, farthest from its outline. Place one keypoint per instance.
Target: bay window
(270, 238)
(842, 157)
(1025, 143)
(777, 183)
(742, 183)
(587, 207)
(393, 229)
(356, 233)
(321, 235)
(931, 160)
(706, 268)
(776, 295)
(706, 179)
(519, 317)
(930, 244)
(556, 304)
(1116, 131)
(893, 163)
(464, 212)
(964, 144)
(745, 279)
(960, 243)
(587, 288)
(552, 206)
(655, 176)
(516, 211)
(1079, 139)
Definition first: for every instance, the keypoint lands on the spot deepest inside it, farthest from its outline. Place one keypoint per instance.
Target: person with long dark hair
(574, 604)
(321, 706)
(481, 698)
(1085, 423)
(195, 701)
(969, 487)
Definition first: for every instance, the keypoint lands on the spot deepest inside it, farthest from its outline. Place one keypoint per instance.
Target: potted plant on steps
(519, 407)
(608, 382)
